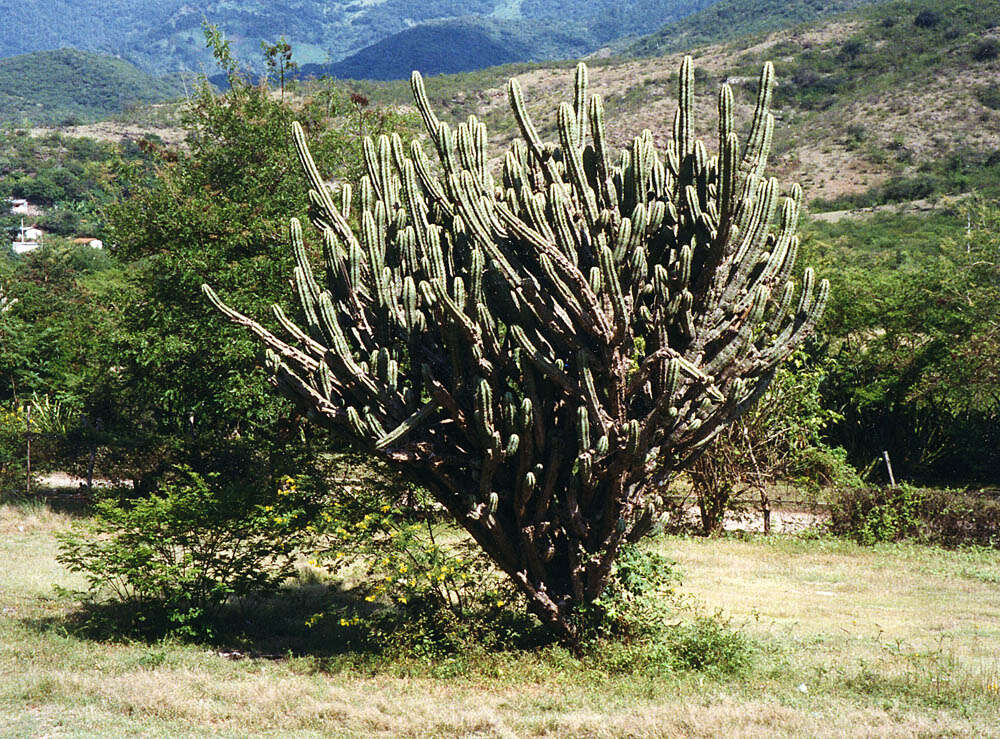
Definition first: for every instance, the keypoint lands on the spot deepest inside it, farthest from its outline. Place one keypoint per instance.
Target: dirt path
(783, 521)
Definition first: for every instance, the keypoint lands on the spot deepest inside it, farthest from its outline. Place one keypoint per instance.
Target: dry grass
(899, 641)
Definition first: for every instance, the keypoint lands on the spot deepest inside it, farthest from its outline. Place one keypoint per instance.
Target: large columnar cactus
(542, 349)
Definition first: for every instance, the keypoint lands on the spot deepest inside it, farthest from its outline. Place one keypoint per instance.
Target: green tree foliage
(917, 352)
(184, 390)
(54, 348)
(68, 176)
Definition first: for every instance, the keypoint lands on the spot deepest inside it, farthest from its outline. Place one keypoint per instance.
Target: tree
(777, 439)
(184, 392)
(278, 57)
(544, 350)
(918, 355)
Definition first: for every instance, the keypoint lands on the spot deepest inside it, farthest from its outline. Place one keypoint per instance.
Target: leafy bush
(986, 50)
(640, 623)
(947, 517)
(989, 95)
(710, 644)
(387, 535)
(176, 558)
(639, 601)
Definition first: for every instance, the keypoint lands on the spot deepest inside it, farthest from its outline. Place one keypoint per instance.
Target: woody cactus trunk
(543, 349)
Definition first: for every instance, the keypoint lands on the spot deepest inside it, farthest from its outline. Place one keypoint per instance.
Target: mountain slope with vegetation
(166, 36)
(67, 85)
(447, 47)
(731, 19)
(892, 101)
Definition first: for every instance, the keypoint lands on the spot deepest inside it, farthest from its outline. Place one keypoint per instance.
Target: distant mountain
(165, 36)
(55, 86)
(729, 19)
(447, 47)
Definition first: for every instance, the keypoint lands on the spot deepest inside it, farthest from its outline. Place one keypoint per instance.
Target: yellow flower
(370, 598)
(386, 508)
(402, 600)
(344, 622)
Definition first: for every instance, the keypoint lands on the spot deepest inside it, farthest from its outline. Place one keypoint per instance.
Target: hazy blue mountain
(447, 47)
(165, 35)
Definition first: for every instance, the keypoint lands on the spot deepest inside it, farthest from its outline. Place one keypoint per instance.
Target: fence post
(27, 427)
(888, 466)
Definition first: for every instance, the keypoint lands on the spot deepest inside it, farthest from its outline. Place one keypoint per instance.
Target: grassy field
(896, 641)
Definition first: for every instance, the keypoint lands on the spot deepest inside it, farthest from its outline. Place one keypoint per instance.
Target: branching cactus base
(543, 349)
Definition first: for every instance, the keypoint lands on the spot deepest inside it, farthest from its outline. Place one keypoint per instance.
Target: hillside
(730, 19)
(448, 47)
(166, 36)
(885, 103)
(69, 85)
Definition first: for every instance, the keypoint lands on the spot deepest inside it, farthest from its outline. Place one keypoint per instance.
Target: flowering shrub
(402, 558)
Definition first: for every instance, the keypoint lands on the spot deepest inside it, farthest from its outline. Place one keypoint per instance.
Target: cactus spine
(540, 349)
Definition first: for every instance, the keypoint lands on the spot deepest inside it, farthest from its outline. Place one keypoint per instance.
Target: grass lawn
(897, 640)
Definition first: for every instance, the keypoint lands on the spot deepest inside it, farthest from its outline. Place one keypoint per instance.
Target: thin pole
(27, 482)
(888, 466)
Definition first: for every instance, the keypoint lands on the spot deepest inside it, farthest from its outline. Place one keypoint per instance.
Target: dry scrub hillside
(857, 100)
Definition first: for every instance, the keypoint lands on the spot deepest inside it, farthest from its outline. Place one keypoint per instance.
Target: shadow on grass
(333, 625)
(75, 502)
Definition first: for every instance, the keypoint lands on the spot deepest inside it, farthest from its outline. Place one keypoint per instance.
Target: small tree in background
(278, 57)
(777, 439)
(544, 349)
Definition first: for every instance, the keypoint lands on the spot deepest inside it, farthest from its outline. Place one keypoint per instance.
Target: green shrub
(710, 644)
(946, 517)
(986, 50)
(639, 601)
(12, 458)
(174, 559)
(989, 95)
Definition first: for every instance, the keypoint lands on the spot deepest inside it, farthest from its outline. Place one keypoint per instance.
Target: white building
(28, 239)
